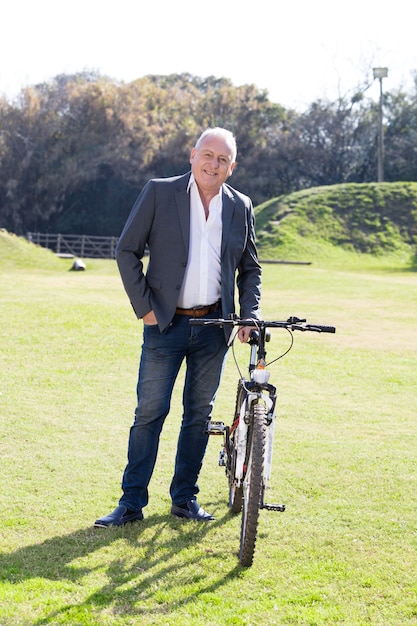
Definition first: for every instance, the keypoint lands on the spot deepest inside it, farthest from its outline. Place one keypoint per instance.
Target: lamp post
(380, 73)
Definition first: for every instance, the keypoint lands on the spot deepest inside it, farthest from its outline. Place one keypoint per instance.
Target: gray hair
(225, 134)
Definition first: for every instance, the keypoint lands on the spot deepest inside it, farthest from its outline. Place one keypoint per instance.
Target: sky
(297, 50)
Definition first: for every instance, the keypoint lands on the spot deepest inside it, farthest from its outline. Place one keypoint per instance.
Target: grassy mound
(20, 253)
(375, 219)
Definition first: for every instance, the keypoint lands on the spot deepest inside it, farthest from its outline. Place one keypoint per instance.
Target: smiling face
(212, 163)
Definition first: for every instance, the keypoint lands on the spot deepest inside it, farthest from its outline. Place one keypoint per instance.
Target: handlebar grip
(325, 329)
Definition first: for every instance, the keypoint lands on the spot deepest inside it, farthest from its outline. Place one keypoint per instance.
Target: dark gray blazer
(160, 218)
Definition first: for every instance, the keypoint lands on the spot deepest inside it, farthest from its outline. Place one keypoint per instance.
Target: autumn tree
(75, 152)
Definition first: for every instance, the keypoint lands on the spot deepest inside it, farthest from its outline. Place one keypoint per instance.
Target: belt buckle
(198, 311)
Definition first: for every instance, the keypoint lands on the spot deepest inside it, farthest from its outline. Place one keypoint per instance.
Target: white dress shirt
(202, 280)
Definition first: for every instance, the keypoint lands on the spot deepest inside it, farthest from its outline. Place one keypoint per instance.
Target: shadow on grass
(157, 579)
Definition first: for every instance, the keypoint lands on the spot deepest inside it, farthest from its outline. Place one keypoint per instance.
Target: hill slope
(375, 218)
(19, 253)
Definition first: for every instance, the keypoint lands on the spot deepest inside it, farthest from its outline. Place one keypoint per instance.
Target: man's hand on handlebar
(244, 333)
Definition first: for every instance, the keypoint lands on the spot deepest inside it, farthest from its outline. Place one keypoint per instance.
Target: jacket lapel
(182, 198)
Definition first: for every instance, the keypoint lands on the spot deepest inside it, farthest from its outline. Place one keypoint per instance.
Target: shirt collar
(192, 182)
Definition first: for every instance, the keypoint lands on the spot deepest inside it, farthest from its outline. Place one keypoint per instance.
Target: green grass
(345, 459)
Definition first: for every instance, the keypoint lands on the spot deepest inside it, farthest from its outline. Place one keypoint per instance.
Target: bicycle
(246, 452)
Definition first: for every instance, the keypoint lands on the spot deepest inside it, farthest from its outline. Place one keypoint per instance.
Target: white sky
(298, 50)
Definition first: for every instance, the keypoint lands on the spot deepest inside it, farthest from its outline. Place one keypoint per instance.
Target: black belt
(199, 311)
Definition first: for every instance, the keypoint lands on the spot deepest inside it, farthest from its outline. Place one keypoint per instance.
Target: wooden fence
(92, 247)
(84, 246)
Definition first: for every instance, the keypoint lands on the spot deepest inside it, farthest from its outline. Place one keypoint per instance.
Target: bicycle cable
(286, 351)
(232, 343)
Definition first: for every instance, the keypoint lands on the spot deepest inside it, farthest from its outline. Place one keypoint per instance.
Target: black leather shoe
(191, 510)
(120, 516)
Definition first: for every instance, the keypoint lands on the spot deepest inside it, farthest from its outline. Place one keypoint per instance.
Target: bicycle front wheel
(253, 483)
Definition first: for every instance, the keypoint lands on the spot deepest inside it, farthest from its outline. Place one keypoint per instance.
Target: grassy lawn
(345, 460)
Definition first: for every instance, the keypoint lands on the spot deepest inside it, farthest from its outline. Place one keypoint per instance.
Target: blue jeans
(204, 349)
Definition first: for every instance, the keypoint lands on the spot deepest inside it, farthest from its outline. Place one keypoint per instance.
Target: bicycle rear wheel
(253, 483)
(235, 490)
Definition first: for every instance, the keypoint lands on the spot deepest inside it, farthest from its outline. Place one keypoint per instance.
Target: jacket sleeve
(249, 272)
(131, 249)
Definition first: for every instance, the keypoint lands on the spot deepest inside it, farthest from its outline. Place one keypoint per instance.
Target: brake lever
(295, 320)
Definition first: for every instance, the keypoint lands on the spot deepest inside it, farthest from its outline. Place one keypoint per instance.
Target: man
(200, 235)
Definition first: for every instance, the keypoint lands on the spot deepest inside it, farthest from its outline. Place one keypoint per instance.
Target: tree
(76, 151)
(401, 136)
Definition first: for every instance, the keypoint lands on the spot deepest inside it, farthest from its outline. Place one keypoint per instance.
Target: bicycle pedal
(274, 507)
(215, 428)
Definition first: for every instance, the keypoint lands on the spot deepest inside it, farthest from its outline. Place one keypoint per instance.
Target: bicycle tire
(235, 492)
(253, 483)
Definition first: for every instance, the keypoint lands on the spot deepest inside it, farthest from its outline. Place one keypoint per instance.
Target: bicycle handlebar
(292, 323)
